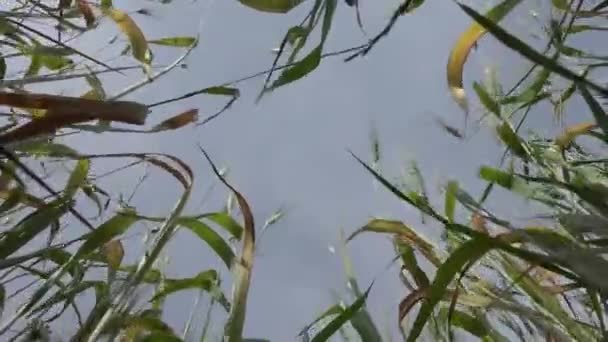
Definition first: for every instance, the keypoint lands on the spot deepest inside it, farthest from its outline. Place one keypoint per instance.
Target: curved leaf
(207, 281)
(213, 239)
(468, 252)
(139, 45)
(272, 6)
(110, 229)
(460, 51)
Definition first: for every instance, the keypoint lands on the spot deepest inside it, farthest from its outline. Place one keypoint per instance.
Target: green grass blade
(469, 252)
(110, 229)
(362, 321)
(28, 228)
(207, 281)
(211, 238)
(450, 200)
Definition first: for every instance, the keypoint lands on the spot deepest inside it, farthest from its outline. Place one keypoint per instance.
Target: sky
(290, 150)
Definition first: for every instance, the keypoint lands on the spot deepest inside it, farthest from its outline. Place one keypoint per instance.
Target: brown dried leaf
(178, 121)
(87, 13)
(63, 111)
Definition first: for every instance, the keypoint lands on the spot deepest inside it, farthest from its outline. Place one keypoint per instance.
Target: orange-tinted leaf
(63, 110)
(178, 121)
(570, 133)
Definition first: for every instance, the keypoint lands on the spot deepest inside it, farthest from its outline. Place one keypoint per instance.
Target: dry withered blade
(63, 111)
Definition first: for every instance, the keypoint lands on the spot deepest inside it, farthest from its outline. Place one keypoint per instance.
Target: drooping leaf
(461, 49)
(206, 281)
(525, 50)
(211, 238)
(242, 268)
(404, 233)
(139, 45)
(226, 222)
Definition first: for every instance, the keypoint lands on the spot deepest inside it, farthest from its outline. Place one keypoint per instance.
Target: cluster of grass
(57, 257)
(493, 280)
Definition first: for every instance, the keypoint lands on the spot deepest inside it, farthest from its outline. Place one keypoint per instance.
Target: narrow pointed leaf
(211, 238)
(346, 315)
